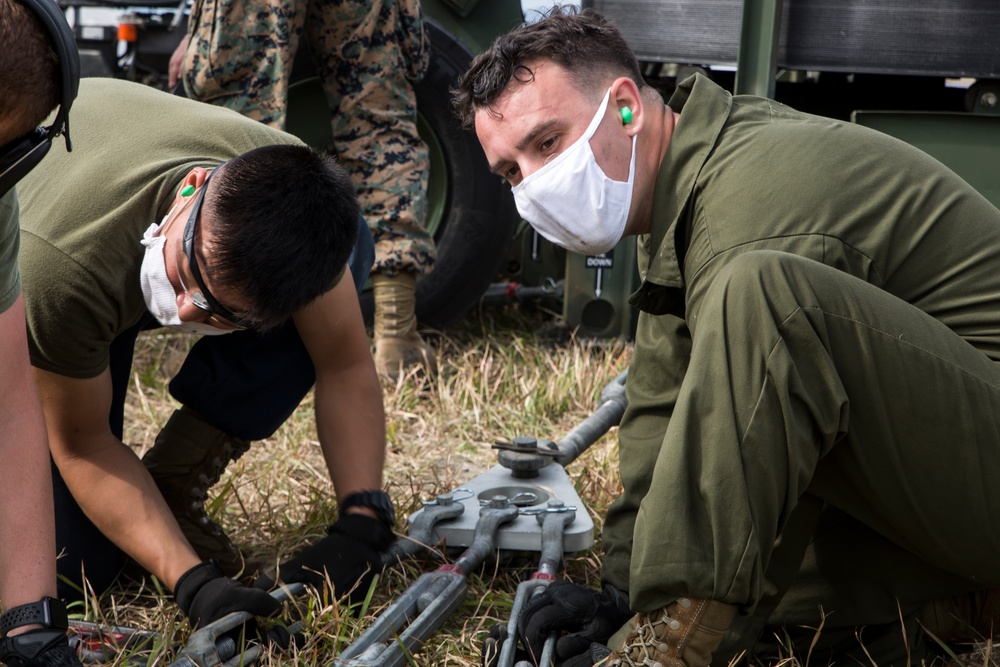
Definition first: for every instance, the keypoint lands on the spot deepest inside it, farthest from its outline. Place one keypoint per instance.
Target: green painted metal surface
(437, 185)
(757, 56)
(597, 290)
(969, 144)
(474, 23)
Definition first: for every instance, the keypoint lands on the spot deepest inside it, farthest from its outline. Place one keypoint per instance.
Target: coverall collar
(705, 109)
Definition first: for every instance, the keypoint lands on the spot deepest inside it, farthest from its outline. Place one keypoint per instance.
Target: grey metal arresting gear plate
(532, 495)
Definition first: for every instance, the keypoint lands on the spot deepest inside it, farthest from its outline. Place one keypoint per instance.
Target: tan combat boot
(685, 633)
(187, 459)
(398, 346)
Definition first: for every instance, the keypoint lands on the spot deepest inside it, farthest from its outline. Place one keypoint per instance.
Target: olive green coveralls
(814, 377)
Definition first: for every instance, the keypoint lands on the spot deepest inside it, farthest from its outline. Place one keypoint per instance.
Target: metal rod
(207, 647)
(409, 621)
(178, 15)
(554, 522)
(611, 407)
(95, 643)
(757, 58)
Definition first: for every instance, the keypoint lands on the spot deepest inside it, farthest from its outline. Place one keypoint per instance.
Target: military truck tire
(471, 214)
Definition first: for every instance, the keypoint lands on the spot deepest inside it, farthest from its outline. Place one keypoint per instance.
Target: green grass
(503, 373)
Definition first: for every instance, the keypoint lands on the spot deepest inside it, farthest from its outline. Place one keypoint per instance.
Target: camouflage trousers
(367, 53)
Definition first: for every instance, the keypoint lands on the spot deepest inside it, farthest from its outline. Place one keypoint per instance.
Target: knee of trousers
(773, 268)
(764, 281)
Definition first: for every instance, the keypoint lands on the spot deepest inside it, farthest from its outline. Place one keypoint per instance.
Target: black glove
(587, 616)
(595, 655)
(493, 644)
(206, 595)
(279, 637)
(349, 554)
(38, 648)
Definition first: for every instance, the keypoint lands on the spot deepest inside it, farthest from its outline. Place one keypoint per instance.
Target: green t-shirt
(84, 213)
(10, 278)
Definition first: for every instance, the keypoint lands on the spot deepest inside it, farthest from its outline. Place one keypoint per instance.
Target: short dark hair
(30, 75)
(284, 220)
(585, 43)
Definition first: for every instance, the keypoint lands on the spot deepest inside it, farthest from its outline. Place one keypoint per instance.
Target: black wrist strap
(47, 612)
(376, 500)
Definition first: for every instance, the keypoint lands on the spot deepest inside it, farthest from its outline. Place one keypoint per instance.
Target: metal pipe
(207, 647)
(611, 407)
(757, 58)
(409, 621)
(554, 521)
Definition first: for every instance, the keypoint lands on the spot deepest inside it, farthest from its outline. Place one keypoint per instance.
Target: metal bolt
(442, 499)
(499, 502)
(525, 441)
(988, 99)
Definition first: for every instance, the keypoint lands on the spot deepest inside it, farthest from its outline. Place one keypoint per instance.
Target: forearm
(350, 419)
(350, 422)
(106, 478)
(118, 495)
(27, 520)
(27, 528)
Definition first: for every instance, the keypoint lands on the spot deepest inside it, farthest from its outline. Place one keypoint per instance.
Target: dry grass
(501, 376)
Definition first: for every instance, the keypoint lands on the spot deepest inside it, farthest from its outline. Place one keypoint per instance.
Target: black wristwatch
(48, 612)
(376, 500)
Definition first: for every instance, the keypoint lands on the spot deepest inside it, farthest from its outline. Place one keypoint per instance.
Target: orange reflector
(128, 32)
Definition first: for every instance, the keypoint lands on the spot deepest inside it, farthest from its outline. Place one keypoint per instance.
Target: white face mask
(158, 292)
(572, 202)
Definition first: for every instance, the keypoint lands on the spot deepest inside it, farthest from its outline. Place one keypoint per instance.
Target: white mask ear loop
(161, 300)
(158, 292)
(572, 202)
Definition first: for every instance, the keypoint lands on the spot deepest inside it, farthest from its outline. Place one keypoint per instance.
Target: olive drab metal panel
(954, 38)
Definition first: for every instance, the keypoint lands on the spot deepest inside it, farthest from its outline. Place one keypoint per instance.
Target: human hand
(584, 614)
(349, 555)
(176, 67)
(205, 595)
(38, 648)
